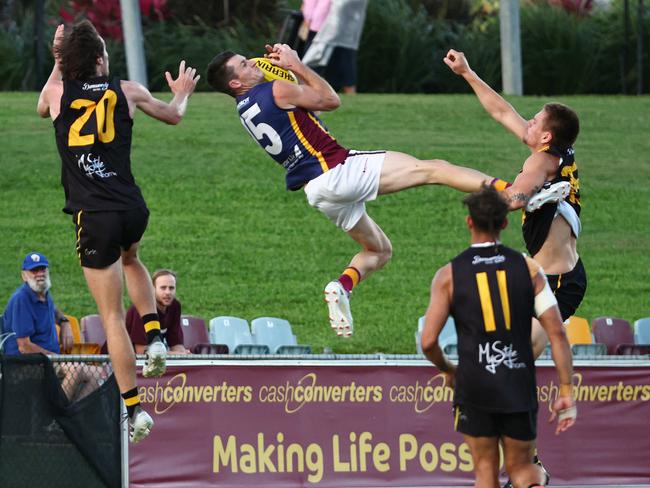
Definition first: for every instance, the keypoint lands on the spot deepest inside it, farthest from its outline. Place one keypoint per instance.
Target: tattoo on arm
(519, 197)
(522, 197)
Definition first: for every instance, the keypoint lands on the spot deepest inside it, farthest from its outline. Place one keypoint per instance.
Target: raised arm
(549, 317)
(53, 88)
(314, 93)
(435, 318)
(492, 102)
(171, 113)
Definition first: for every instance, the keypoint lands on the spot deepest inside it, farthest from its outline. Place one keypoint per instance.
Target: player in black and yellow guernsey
(493, 292)
(93, 119)
(547, 188)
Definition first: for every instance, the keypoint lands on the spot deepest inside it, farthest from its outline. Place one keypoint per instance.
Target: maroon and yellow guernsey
(295, 138)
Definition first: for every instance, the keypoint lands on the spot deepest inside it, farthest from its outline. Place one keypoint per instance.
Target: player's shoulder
(53, 88)
(444, 275)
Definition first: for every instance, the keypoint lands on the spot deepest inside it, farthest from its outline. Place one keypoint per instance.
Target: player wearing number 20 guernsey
(93, 119)
(280, 116)
(96, 174)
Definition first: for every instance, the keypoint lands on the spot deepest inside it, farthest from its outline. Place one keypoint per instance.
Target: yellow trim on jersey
(129, 402)
(79, 234)
(456, 417)
(544, 149)
(568, 171)
(486, 301)
(152, 325)
(503, 292)
(317, 122)
(305, 142)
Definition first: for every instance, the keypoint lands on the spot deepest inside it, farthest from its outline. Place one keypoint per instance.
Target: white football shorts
(341, 192)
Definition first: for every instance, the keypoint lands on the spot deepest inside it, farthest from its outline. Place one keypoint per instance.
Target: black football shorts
(482, 423)
(569, 289)
(102, 236)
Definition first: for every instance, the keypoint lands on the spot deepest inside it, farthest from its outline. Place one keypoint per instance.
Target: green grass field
(244, 246)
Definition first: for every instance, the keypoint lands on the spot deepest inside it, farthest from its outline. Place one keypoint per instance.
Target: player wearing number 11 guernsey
(280, 116)
(492, 292)
(93, 119)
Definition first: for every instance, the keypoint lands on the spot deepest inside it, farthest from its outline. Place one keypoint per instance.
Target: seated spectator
(169, 313)
(30, 324)
(30, 313)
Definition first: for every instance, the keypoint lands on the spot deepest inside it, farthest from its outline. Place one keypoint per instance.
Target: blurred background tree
(568, 46)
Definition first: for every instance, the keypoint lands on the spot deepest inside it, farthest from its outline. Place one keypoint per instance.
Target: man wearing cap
(30, 316)
(29, 326)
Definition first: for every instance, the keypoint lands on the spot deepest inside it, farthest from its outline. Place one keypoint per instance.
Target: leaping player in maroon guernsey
(280, 116)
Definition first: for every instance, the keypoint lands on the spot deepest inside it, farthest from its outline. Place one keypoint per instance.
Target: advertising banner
(327, 425)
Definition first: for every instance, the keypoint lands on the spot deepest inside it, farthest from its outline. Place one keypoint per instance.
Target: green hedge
(401, 49)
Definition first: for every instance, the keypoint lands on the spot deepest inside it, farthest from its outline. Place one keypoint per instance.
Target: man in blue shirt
(29, 319)
(30, 327)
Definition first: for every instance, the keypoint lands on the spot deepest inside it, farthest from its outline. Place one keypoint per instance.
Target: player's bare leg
(517, 456)
(401, 171)
(485, 455)
(106, 288)
(142, 294)
(138, 281)
(376, 252)
(376, 247)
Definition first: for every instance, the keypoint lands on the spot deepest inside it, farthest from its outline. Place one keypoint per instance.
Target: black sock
(131, 400)
(151, 327)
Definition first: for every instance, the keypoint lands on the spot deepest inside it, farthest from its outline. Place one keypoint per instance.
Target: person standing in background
(314, 13)
(333, 51)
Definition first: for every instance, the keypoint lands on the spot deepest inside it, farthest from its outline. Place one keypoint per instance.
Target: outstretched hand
(564, 409)
(186, 81)
(457, 62)
(282, 55)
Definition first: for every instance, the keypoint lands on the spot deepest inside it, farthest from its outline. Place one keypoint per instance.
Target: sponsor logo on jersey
(499, 258)
(496, 354)
(95, 87)
(93, 166)
(243, 103)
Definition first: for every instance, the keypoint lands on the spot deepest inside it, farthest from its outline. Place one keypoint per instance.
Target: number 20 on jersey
(104, 111)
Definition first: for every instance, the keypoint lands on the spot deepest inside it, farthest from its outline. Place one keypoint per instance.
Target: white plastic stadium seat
(234, 332)
(446, 338)
(277, 334)
(642, 331)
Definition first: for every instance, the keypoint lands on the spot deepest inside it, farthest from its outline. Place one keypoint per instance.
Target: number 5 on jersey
(104, 111)
(260, 130)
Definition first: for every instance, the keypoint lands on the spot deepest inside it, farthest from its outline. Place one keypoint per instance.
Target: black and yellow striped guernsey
(492, 305)
(93, 136)
(536, 225)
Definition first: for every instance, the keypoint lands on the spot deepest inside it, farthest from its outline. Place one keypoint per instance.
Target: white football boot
(549, 193)
(139, 425)
(338, 304)
(156, 360)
